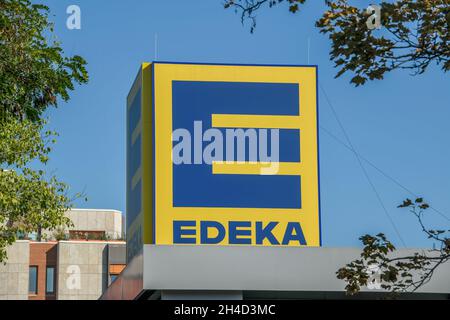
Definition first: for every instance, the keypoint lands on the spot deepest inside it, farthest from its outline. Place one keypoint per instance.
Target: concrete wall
(117, 253)
(83, 270)
(14, 274)
(109, 221)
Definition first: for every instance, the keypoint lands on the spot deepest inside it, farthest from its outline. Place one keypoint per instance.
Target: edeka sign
(232, 158)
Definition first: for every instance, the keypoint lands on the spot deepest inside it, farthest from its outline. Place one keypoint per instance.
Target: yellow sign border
(164, 212)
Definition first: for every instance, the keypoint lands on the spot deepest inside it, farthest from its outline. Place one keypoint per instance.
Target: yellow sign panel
(229, 155)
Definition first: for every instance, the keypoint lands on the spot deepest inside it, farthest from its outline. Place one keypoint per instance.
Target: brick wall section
(43, 254)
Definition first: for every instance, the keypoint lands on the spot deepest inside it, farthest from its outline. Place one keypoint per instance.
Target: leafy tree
(414, 34)
(34, 74)
(397, 273)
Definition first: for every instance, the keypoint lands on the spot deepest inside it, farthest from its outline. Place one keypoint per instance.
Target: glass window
(32, 280)
(113, 277)
(50, 280)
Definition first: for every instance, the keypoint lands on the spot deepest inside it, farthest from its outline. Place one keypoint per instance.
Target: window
(32, 280)
(113, 277)
(87, 235)
(50, 280)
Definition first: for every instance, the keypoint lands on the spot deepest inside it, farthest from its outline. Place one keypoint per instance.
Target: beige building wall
(14, 274)
(109, 221)
(82, 270)
(102, 220)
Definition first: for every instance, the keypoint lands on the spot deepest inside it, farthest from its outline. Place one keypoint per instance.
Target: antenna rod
(156, 46)
(309, 46)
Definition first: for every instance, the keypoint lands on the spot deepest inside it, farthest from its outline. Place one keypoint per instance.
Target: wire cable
(387, 176)
(374, 189)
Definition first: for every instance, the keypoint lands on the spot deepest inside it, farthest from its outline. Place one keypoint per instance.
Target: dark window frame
(35, 281)
(54, 280)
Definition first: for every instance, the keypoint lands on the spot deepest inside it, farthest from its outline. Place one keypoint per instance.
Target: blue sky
(400, 124)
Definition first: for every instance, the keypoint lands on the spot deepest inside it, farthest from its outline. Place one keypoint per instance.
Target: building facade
(15, 273)
(90, 224)
(80, 267)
